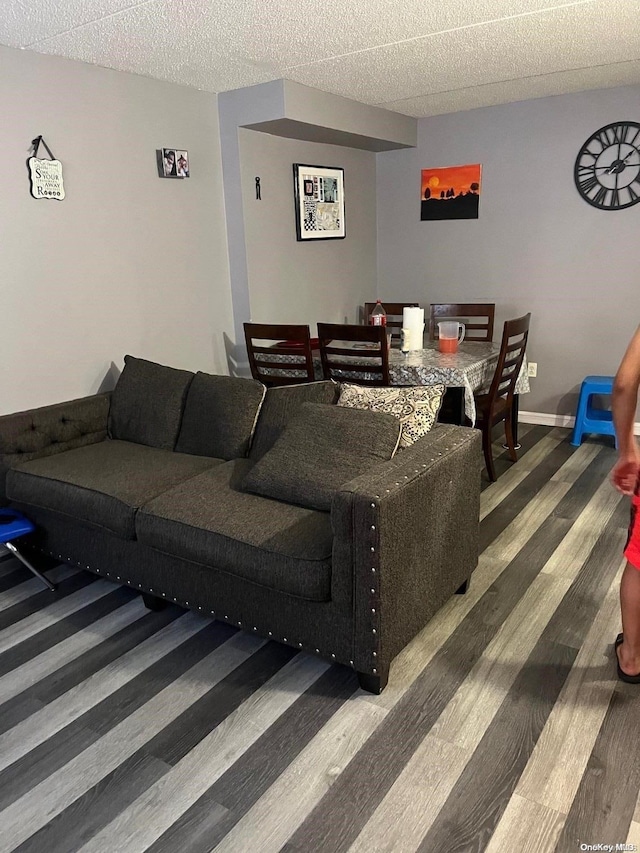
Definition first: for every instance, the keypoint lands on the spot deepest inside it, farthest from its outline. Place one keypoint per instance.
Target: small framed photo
(172, 162)
(319, 202)
(182, 164)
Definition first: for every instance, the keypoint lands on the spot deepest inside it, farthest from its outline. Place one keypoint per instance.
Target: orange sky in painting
(458, 177)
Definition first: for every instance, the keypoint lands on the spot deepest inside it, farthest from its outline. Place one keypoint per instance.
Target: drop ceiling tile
(208, 44)
(24, 22)
(177, 41)
(562, 39)
(561, 83)
(413, 55)
(285, 33)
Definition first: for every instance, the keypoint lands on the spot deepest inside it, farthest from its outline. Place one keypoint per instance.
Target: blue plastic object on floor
(588, 418)
(13, 525)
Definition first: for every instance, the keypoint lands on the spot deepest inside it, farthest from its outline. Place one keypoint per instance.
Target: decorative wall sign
(45, 175)
(450, 193)
(172, 163)
(319, 202)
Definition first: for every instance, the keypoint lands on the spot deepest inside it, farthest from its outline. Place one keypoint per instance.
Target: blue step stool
(13, 525)
(589, 419)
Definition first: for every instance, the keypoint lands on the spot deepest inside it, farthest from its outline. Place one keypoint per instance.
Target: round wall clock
(607, 170)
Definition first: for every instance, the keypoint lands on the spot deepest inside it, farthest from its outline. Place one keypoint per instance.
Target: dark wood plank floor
(503, 727)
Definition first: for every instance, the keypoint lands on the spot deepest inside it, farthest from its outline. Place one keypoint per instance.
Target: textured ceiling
(419, 57)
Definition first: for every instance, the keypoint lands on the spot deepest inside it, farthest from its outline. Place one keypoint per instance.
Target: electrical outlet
(532, 368)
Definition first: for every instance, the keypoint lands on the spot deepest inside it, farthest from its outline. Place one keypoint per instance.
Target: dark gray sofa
(143, 486)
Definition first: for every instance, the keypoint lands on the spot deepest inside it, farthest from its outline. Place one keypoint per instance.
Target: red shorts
(632, 548)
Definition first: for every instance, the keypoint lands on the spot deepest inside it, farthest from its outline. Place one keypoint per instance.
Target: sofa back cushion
(147, 403)
(281, 404)
(322, 449)
(220, 416)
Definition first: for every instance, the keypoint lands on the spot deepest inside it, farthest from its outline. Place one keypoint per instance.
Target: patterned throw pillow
(416, 407)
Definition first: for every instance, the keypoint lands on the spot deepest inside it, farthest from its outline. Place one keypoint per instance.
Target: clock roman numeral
(615, 198)
(588, 184)
(634, 195)
(620, 132)
(600, 196)
(586, 170)
(605, 138)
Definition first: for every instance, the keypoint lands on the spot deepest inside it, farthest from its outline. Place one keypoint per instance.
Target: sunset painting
(450, 193)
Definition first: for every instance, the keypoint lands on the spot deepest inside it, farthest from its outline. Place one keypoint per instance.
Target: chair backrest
(479, 328)
(283, 354)
(512, 349)
(357, 354)
(394, 317)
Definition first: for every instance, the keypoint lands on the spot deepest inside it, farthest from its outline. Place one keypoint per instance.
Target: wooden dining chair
(477, 317)
(496, 404)
(343, 348)
(279, 354)
(394, 317)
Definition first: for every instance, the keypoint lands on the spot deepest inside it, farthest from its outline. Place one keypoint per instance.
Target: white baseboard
(547, 419)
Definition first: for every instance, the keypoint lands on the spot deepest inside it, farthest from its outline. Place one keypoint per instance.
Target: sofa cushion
(147, 403)
(220, 416)
(281, 404)
(322, 448)
(416, 408)
(104, 483)
(210, 521)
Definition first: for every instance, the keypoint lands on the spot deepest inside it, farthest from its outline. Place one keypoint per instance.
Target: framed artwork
(450, 193)
(319, 202)
(172, 163)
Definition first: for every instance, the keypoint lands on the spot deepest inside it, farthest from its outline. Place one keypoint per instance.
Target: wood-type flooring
(503, 727)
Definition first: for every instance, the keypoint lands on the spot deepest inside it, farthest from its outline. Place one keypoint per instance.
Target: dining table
(463, 373)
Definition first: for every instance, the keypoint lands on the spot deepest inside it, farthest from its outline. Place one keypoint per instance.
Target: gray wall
(376, 129)
(303, 282)
(127, 262)
(274, 277)
(537, 245)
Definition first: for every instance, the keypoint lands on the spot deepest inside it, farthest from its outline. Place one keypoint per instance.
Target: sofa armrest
(405, 539)
(49, 430)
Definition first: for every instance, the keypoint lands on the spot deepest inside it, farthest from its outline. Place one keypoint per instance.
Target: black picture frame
(319, 202)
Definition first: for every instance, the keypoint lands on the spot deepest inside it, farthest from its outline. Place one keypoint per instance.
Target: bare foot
(629, 663)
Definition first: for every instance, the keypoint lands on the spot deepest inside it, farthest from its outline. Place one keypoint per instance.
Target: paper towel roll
(413, 318)
(411, 338)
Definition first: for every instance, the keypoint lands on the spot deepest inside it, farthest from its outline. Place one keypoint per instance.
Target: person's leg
(629, 651)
